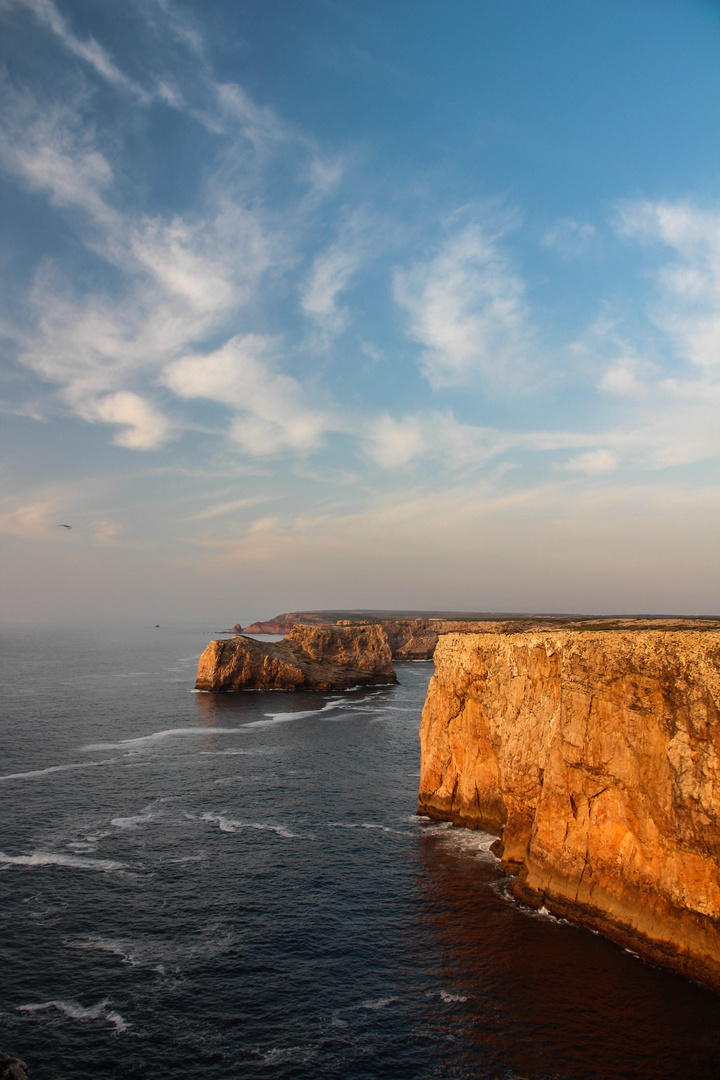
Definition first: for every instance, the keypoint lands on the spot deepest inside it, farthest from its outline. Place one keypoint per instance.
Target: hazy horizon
(336, 306)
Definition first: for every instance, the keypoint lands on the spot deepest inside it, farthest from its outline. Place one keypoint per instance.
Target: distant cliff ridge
(309, 658)
(414, 636)
(595, 756)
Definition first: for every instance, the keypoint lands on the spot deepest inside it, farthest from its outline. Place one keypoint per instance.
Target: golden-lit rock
(309, 658)
(595, 755)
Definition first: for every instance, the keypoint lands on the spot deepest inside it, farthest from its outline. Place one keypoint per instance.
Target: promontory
(594, 756)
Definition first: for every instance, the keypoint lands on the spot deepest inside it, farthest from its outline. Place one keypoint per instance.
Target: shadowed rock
(309, 658)
(12, 1068)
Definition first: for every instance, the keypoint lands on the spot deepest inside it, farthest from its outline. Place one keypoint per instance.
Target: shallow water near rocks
(237, 886)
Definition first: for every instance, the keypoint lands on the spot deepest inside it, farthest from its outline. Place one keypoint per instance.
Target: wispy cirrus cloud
(674, 382)
(47, 148)
(88, 49)
(272, 410)
(466, 308)
(570, 238)
(689, 306)
(331, 272)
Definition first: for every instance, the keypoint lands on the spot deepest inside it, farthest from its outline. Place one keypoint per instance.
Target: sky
(338, 304)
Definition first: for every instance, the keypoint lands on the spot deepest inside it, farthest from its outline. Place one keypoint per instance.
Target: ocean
(237, 886)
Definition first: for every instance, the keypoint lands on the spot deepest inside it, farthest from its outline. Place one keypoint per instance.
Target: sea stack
(595, 757)
(309, 658)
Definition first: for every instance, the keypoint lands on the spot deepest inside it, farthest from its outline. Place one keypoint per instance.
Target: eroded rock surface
(309, 658)
(12, 1068)
(595, 755)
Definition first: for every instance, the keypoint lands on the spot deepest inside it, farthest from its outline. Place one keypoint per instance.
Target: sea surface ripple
(237, 886)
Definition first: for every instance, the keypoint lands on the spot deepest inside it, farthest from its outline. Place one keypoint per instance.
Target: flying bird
(64, 526)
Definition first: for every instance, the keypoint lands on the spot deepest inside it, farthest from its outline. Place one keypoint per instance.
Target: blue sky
(392, 303)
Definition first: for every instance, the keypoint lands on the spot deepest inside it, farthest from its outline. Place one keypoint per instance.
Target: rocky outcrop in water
(595, 756)
(309, 658)
(12, 1068)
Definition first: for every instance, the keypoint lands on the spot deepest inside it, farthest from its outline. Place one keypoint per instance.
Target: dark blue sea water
(237, 886)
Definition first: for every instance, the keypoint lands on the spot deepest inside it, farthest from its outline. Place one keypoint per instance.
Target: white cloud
(395, 442)
(673, 378)
(466, 307)
(595, 461)
(392, 442)
(106, 532)
(47, 148)
(689, 309)
(329, 276)
(142, 426)
(622, 379)
(89, 50)
(229, 507)
(274, 415)
(571, 238)
(180, 278)
(33, 519)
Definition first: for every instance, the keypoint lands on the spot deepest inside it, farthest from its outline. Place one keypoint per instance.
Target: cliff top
(497, 622)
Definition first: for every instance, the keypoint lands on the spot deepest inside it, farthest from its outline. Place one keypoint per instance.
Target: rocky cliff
(595, 756)
(415, 638)
(309, 658)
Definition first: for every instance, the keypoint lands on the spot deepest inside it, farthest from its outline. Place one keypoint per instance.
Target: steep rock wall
(595, 755)
(309, 658)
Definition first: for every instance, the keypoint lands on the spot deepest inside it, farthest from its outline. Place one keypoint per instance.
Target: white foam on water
(157, 736)
(74, 1011)
(56, 769)
(291, 1055)
(464, 841)
(117, 947)
(359, 825)
(51, 858)
(288, 717)
(371, 1005)
(380, 1003)
(232, 753)
(132, 822)
(451, 998)
(230, 825)
(225, 780)
(153, 812)
(540, 913)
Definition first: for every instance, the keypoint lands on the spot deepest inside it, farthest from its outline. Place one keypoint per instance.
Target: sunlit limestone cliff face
(595, 755)
(309, 658)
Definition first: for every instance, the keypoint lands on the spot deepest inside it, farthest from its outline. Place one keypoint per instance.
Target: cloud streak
(465, 307)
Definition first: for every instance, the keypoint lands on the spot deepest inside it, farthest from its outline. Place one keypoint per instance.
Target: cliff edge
(309, 658)
(595, 755)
